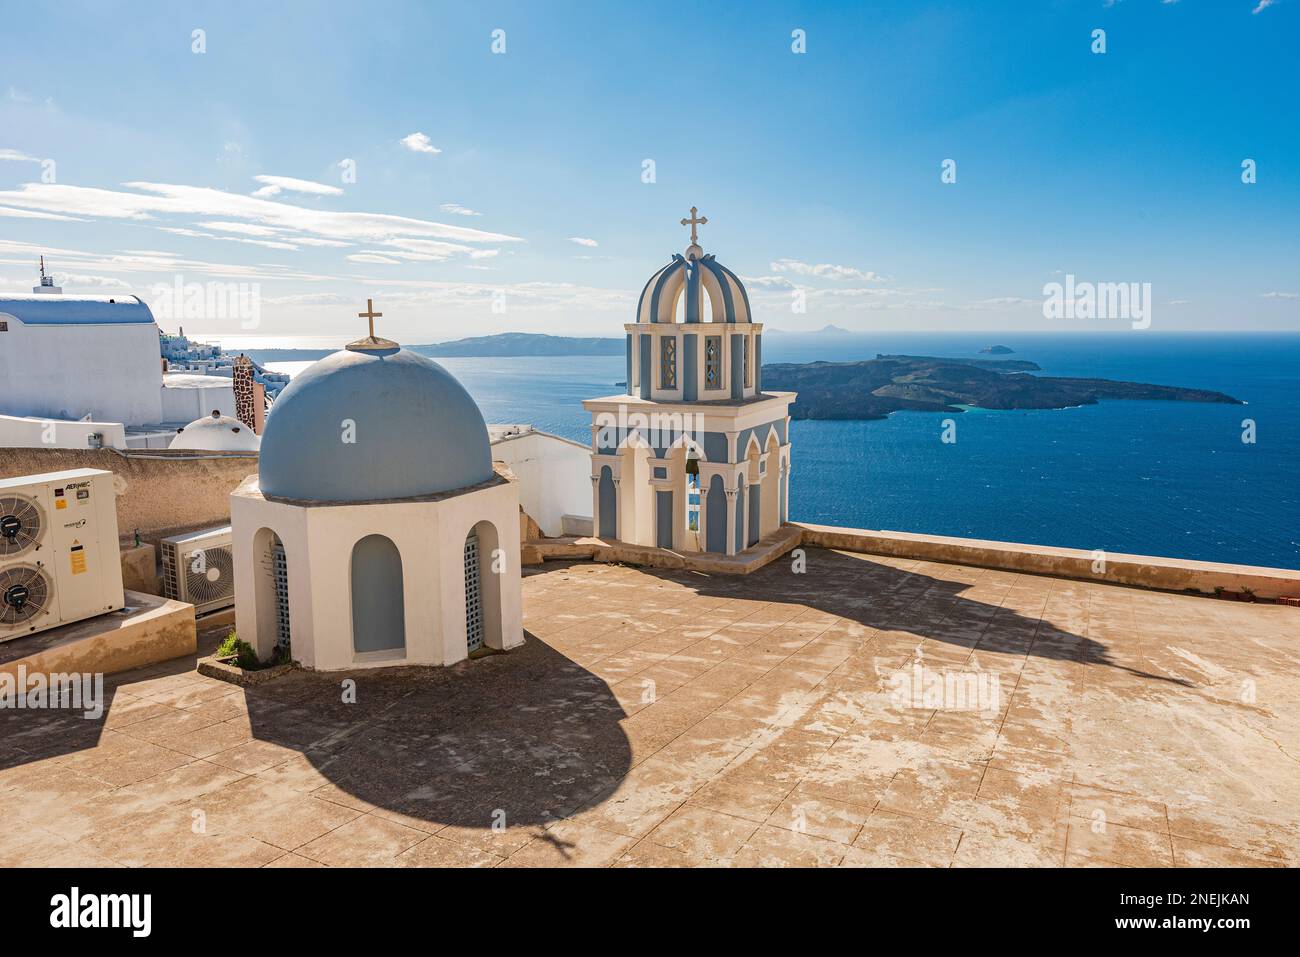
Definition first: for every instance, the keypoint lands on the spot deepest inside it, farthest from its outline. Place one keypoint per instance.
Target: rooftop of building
(63, 310)
(679, 718)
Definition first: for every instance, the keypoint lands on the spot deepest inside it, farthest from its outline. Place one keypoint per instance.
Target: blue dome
(694, 276)
(416, 432)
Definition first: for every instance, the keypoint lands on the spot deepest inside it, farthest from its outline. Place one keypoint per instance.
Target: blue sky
(818, 171)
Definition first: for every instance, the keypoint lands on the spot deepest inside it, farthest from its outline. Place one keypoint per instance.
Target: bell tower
(695, 456)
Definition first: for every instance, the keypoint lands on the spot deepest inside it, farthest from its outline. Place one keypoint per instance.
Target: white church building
(86, 371)
(376, 532)
(695, 456)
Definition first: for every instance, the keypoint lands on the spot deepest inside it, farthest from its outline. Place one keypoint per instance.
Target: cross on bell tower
(693, 222)
(371, 343)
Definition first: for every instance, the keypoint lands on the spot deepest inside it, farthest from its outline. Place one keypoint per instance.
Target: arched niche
(378, 600)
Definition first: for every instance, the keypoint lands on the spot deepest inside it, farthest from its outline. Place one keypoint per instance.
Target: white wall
(318, 542)
(17, 432)
(554, 476)
(186, 403)
(111, 372)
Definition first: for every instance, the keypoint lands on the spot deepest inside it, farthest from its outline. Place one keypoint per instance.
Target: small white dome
(217, 433)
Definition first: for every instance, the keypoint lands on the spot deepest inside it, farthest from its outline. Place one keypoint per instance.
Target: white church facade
(86, 371)
(377, 531)
(695, 456)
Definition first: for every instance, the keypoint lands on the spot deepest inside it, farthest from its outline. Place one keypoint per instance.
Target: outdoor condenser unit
(59, 555)
(199, 567)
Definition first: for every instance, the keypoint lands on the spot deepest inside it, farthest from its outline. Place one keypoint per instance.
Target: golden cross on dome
(371, 315)
(693, 222)
(371, 343)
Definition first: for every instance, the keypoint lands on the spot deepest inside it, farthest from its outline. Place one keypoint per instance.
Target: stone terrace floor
(662, 719)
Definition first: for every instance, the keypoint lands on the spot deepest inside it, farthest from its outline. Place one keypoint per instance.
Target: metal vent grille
(25, 594)
(22, 522)
(210, 575)
(280, 577)
(171, 584)
(473, 595)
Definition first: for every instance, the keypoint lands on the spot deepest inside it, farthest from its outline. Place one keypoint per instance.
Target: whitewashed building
(376, 532)
(86, 371)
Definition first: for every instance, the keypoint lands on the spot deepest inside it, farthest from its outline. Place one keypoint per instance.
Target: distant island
(827, 330)
(997, 350)
(874, 388)
(525, 344)
(502, 344)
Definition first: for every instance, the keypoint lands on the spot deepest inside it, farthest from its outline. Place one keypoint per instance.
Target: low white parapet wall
(1143, 571)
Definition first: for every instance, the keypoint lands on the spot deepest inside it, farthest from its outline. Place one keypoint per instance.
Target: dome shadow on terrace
(524, 738)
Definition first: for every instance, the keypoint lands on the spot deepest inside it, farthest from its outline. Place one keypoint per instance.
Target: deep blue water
(1156, 478)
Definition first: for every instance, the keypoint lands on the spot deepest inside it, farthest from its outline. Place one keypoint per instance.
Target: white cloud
(373, 258)
(244, 229)
(274, 185)
(583, 241)
(149, 262)
(313, 241)
(419, 143)
(459, 210)
(287, 222)
(823, 270)
(768, 282)
(1263, 5)
(33, 214)
(14, 156)
(308, 299)
(196, 234)
(72, 280)
(1003, 302)
(1280, 295)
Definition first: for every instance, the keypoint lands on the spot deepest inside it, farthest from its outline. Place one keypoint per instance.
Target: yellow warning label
(61, 503)
(78, 561)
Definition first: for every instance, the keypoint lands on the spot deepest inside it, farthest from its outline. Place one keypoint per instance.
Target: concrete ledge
(1143, 571)
(148, 630)
(236, 675)
(611, 550)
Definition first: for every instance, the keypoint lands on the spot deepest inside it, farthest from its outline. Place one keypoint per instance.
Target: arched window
(716, 517)
(280, 582)
(482, 588)
(692, 491)
(378, 605)
(271, 596)
(608, 518)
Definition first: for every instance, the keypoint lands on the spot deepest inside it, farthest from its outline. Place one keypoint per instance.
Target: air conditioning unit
(199, 567)
(59, 555)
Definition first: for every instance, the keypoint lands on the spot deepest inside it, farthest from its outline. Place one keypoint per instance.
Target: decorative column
(731, 516)
(785, 487)
(245, 405)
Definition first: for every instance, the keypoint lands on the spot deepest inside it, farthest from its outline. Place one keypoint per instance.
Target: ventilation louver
(210, 574)
(25, 593)
(22, 522)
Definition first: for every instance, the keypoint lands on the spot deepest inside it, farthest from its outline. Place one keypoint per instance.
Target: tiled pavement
(828, 718)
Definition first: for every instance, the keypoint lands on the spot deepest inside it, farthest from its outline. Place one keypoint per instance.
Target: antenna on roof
(47, 282)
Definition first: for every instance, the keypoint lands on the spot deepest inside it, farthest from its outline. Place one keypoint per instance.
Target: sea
(1178, 479)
